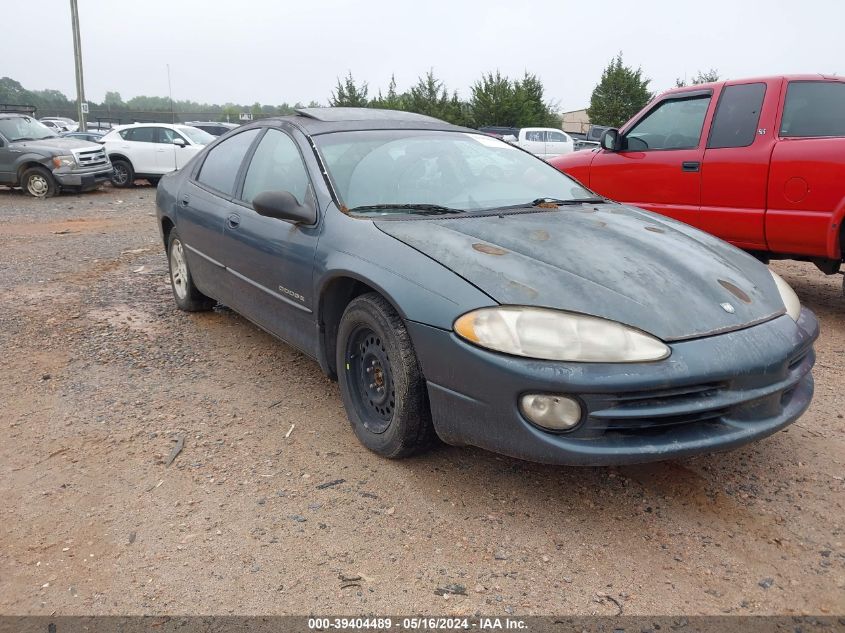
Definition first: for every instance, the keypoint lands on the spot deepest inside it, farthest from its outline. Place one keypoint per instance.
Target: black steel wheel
(372, 378)
(383, 388)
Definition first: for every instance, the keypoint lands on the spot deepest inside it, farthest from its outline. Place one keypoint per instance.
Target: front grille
(92, 157)
(741, 399)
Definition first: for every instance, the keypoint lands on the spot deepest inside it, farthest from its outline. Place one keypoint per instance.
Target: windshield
(196, 135)
(23, 128)
(449, 170)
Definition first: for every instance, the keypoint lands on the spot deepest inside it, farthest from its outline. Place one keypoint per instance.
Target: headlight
(553, 335)
(64, 161)
(788, 296)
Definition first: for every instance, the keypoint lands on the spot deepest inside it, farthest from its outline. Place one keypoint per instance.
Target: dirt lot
(100, 374)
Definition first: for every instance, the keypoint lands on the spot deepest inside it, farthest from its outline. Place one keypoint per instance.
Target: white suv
(150, 150)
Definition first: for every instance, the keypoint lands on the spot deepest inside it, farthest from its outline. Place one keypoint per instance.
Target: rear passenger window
(814, 108)
(141, 134)
(735, 123)
(555, 137)
(220, 168)
(276, 166)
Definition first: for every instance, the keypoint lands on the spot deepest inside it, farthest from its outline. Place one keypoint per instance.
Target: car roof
(316, 121)
(750, 80)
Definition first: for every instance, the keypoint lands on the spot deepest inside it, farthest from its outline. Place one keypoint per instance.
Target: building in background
(575, 122)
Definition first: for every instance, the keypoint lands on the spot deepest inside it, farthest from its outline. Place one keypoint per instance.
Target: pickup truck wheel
(123, 174)
(187, 295)
(383, 389)
(39, 183)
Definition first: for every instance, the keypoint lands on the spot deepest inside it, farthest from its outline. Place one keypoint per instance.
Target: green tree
(349, 94)
(393, 100)
(530, 105)
(703, 77)
(493, 101)
(113, 99)
(621, 93)
(429, 96)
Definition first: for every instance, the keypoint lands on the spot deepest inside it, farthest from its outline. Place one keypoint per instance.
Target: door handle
(690, 165)
(233, 221)
(184, 200)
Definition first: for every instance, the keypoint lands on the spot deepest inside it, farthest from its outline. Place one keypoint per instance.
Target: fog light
(556, 413)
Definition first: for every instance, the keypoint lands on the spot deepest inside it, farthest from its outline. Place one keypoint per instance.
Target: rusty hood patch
(611, 263)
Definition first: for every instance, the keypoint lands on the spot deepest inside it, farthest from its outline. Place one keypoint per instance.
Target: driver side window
(276, 166)
(674, 124)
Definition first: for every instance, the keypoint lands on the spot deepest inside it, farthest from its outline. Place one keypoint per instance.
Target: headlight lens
(788, 296)
(554, 335)
(64, 161)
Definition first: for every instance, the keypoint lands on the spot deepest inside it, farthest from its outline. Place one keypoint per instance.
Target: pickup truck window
(814, 108)
(536, 137)
(673, 124)
(737, 115)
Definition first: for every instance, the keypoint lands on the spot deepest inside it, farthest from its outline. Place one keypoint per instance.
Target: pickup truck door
(806, 201)
(659, 167)
(272, 261)
(533, 141)
(736, 163)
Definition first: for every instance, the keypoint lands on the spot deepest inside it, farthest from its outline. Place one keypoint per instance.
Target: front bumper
(84, 179)
(711, 394)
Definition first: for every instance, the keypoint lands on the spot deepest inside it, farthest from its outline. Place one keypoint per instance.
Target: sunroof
(362, 114)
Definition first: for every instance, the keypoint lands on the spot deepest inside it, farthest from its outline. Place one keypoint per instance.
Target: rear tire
(123, 174)
(185, 293)
(383, 388)
(39, 183)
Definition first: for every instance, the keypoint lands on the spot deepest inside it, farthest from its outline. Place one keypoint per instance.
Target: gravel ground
(272, 506)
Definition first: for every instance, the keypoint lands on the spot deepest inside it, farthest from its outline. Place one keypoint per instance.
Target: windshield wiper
(23, 138)
(427, 209)
(557, 201)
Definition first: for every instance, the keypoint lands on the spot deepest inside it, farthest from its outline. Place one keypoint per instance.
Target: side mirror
(611, 140)
(180, 142)
(283, 205)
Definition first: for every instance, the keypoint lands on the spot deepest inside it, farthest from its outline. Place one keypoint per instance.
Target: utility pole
(170, 92)
(81, 104)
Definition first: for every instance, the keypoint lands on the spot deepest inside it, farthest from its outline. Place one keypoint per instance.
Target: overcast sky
(275, 51)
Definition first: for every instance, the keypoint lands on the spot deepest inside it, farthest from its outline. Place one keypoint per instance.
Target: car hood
(57, 145)
(607, 260)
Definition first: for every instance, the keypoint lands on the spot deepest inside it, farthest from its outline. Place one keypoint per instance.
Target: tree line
(494, 100)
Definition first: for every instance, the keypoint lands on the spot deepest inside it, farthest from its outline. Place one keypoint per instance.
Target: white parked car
(544, 142)
(60, 124)
(150, 150)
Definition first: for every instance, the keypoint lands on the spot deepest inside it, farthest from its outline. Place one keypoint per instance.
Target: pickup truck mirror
(180, 142)
(611, 140)
(283, 205)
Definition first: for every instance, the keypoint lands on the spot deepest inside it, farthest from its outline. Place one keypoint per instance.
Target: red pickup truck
(758, 162)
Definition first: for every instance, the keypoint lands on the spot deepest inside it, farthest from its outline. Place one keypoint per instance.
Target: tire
(383, 389)
(39, 183)
(123, 174)
(185, 293)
